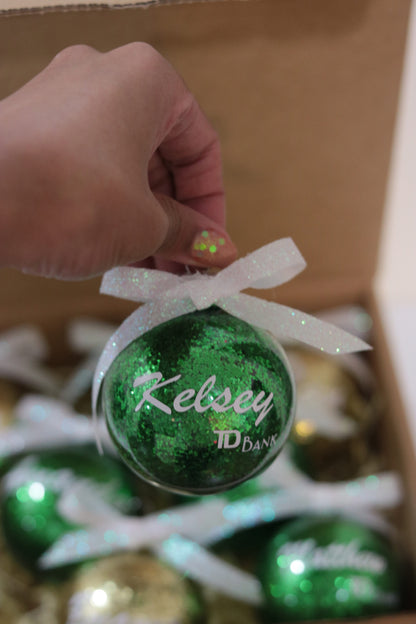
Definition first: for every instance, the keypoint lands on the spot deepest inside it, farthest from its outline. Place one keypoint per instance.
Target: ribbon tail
(284, 322)
(25, 341)
(88, 335)
(76, 546)
(42, 423)
(29, 373)
(80, 380)
(136, 284)
(202, 566)
(207, 522)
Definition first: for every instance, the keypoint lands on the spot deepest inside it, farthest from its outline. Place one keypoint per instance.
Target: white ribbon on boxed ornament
(177, 534)
(167, 296)
(180, 535)
(87, 336)
(42, 423)
(21, 351)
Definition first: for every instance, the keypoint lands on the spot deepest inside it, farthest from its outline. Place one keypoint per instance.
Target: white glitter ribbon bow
(86, 336)
(42, 423)
(180, 534)
(167, 296)
(21, 351)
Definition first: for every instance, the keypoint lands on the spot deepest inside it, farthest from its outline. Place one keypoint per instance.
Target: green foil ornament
(30, 515)
(329, 567)
(199, 403)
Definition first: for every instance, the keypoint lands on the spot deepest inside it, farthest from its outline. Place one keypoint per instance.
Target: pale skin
(106, 159)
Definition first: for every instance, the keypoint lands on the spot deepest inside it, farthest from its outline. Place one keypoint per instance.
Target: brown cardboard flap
(13, 7)
(303, 95)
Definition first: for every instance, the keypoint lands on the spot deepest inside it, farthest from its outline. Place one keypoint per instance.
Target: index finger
(191, 152)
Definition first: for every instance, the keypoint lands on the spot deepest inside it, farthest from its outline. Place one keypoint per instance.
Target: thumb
(191, 238)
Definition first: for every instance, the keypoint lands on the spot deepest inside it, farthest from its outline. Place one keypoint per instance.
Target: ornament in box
(31, 492)
(329, 567)
(199, 398)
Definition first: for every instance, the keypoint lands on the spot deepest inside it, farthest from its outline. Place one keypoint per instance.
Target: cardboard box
(304, 97)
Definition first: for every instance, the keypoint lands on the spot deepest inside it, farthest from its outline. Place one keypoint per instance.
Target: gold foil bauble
(334, 436)
(132, 589)
(22, 599)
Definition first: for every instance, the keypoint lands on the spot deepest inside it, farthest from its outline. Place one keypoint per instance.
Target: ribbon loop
(287, 323)
(168, 296)
(42, 423)
(25, 342)
(21, 351)
(212, 519)
(268, 267)
(136, 284)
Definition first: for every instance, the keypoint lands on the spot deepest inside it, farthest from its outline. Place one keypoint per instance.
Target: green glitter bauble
(329, 567)
(220, 413)
(30, 517)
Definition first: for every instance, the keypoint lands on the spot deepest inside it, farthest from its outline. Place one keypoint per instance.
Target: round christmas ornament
(329, 567)
(199, 403)
(333, 437)
(132, 588)
(196, 391)
(32, 490)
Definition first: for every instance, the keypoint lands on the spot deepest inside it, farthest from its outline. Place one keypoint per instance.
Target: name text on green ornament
(191, 399)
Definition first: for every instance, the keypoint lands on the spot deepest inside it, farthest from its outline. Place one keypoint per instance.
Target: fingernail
(213, 249)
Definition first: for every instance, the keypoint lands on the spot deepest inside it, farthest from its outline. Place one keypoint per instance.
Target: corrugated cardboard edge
(7, 8)
(397, 431)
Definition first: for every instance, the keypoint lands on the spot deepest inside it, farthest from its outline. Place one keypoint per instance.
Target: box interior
(304, 97)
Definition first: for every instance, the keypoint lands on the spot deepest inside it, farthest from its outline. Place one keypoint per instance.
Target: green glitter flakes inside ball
(31, 520)
(200, 403)
(329, 567)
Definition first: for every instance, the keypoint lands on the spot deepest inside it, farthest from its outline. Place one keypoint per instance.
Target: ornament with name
(32, 490)
(329, 567)
(199, 403)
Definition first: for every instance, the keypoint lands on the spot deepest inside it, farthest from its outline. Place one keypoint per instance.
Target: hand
(106, 159)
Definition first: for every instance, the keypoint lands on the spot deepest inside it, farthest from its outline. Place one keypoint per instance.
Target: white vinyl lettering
(183, 396)
(147, 396)
(202, 400)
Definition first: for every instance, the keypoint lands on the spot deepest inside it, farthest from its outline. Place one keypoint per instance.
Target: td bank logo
(232, 439)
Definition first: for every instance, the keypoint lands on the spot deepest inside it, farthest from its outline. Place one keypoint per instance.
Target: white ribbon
(168, 296)
(43, 423)
(21, 350)
(179, 534)
(87, 336)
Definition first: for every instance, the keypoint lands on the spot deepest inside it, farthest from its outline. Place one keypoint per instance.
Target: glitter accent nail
(209, 247)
